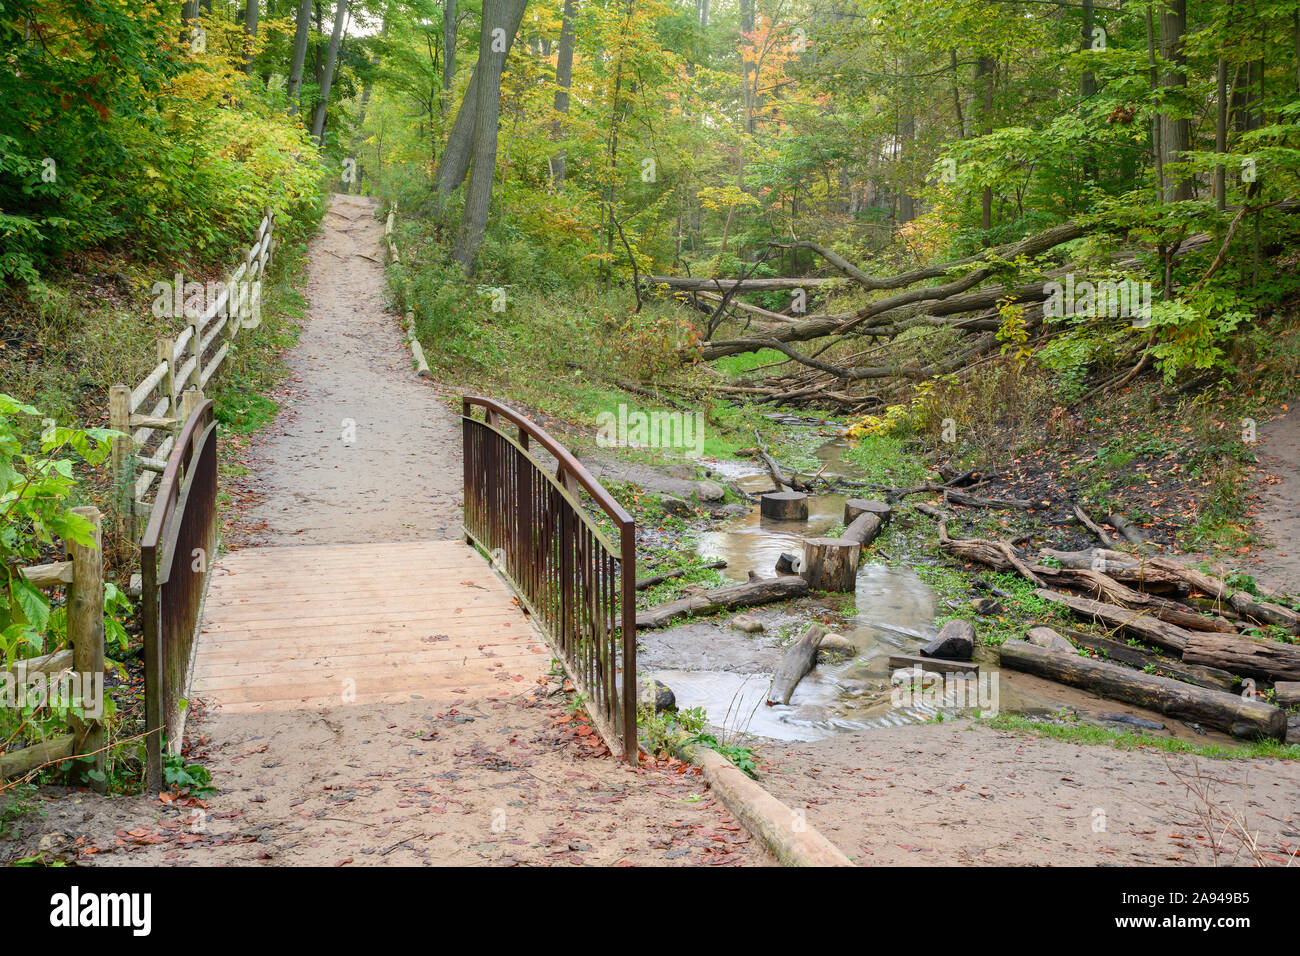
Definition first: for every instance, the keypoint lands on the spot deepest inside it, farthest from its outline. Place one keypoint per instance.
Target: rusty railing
(176, 553)
(578, 586)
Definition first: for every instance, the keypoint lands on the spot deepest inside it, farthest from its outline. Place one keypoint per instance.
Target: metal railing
(176, 554)
(578, 586)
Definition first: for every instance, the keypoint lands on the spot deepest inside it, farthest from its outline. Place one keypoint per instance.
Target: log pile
(1196, 617)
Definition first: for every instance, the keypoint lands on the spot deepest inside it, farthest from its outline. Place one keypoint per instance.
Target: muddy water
(728, 673)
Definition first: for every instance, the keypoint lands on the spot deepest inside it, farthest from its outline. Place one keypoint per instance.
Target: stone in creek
(657, 694)
(1050, 639)
(710, 491)
(747, 623)
(837, 646)
(955, 642)
(675, 506)
(681, 469)
(986, 605)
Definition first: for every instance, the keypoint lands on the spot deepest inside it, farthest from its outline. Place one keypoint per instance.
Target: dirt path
(966, 794)
(1278, 511)
(504, 780)
(366, 451)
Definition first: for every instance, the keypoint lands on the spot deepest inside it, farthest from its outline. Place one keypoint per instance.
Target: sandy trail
(504, 780)
(965, 794)
(1278, 510)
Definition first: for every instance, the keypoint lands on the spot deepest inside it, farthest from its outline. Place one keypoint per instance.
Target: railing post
(196, 353)
(86, 632)
(165, 351)
(627, 601)
(119, 419)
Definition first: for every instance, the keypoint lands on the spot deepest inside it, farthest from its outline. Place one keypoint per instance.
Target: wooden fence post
(191, 399)
(119, 419)
(166, 350)
(86, 632)
(196, 352)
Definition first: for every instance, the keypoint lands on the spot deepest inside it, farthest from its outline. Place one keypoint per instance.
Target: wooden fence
(150, 413)
(82, 577)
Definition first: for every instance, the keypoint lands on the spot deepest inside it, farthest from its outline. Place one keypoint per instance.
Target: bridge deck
(289, 628)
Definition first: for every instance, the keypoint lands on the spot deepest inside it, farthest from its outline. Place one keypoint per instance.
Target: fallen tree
(1232, 713)
(798, 660)
(733, 596)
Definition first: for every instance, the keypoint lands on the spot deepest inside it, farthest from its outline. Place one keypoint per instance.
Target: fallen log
(1211, 677)
(734, 595)
(1170, 637)
(1098, 585)
(1238, 716)
(1118, 566)
(706, 283)
(1244, 602)
(644, 583)
(1266, 660)
(1125, 527)
(954, 497)
(799, 660)
(1092, 526)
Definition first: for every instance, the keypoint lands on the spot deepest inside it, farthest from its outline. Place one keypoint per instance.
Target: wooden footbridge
(323, 626)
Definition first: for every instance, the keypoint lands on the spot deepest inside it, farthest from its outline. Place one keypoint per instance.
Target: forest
(1036, 257)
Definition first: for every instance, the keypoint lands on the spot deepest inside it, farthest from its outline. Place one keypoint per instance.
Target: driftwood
(732, 596)
(954, 497)
(708, 284)
(1118, 566)
(1170, 637)
(1267, 660)
(1092, 526)
(651, 581)
(1097, 585)
(1245, 603)
(792, 482)
(936, 665)
(1211, 677)
(1229, 712)
(799, 660)
(1125, 527)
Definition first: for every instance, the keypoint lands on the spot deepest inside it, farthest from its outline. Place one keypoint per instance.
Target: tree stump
(784, 505)
(854, 507)
(830, 564)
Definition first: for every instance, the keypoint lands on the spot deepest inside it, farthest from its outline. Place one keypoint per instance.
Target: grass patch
(886, 460)
(1084, 733)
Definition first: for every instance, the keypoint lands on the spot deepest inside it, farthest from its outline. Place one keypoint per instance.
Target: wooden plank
(49, 575)
(209, 664)
(49, 664)
(409, 667)
(146, 387)
(15, 763)
(936, 665)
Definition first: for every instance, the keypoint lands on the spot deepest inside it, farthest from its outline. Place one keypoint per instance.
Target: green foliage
(191, 779)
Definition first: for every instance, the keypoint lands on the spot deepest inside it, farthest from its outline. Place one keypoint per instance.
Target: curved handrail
(168, 487)
(568, 464)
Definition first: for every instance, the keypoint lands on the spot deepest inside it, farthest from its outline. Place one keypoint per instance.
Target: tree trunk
(563, 80)
(487, 110)
(1239, 716)
(1169, 637)
(1221, 133)
(448, 53)
(984, 68)
(906, 136)
(830, 564)
(250, 29)
(301, 34)
(459, 150)
(331, 62)
(1175, 133)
